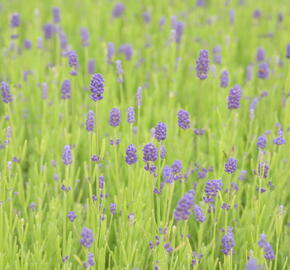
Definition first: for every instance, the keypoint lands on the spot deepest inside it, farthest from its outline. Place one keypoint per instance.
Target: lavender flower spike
(184, 207)
(199, 215)
(224, 82)
(288, 51)
(66, 89)
(97, 87)
(231, 165)
(160, 132)
(263, 72)
(183, 119)
(6, 94)
(228, 242)
(262, 142)
(90, 123)
(202, 65)
(115, 117)
(131, 115)
(131, 154)
(234, 97)
(15, 20)
(67, 155)
(150, 152)
(87, 238)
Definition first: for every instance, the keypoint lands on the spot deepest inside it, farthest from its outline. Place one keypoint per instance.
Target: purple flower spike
(288, 51)
(56, 14)
(199, 215)
(279, 140)
(231, 165)
(211, 189)
(66, 89)
(150, 152)
(228, 242)
(131, 115)
(127, 50)
(110, 52)
(260, 55)
(6, 94)
(234, 97)
(263, 72)
(184, 207)
(118, 10)
(97, 87)
(87, 238)
(160, 132)
(113, 208)
(90, 123)
(183, 119)
(71, 216)
(268, 250)
(115, 117)
(84, 32)
(202, 65)
(224, 82)
(162, 152)
(131, 154)
(262, 142)
(91, 66)
(15, 20)
(27, 44)
(252, 265)
(48, 30)
(67, 155)
(73, 62)
(249, 73)
(91, 259)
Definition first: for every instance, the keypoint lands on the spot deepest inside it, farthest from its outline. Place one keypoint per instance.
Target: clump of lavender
(202, 65)
(263, 72)
(231, 165)
(199, 215)
(224, 80)
(234, 97)
(268, 250)
(183, 119)
(84, 32)
(184, 207)
(228, 242)
(118, 10)
(56, 14)
(6, 94)
(160, 132)
(150, 152)
(87, 237)
(73, 62)
(131, 154)
(66, 89)
(71, 216)
(131, 115)
(15, 20)
(288, 51)
(97, 87)
(279, 140)
(90, 122)
(211, 190)
(260, 55)
(67, 155)
(262, 142)
(115, 117)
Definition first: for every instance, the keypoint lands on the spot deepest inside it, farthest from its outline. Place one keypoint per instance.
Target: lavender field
(145, 134)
